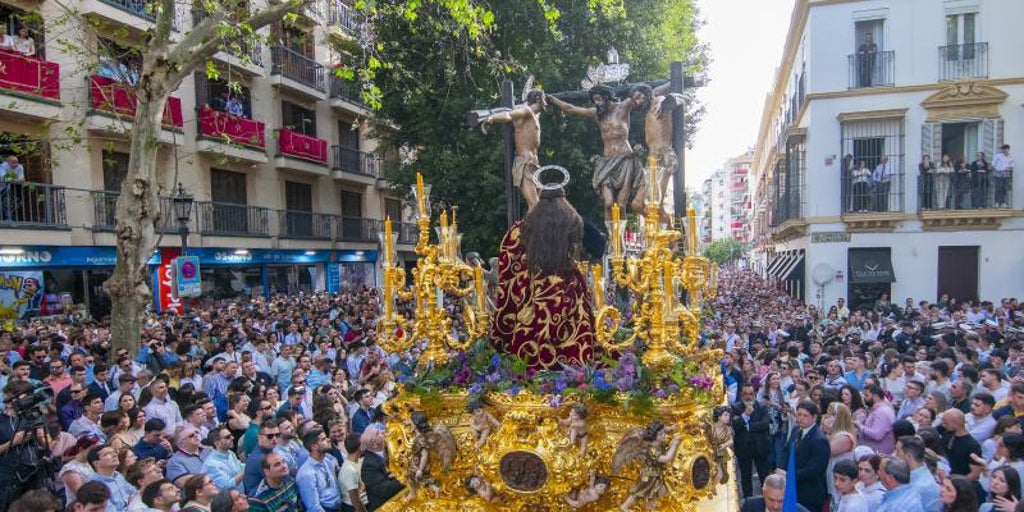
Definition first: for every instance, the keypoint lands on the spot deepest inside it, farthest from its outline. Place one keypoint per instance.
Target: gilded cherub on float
(721, 437)
(579, 498)
(647, 446)
(430, 439)
(577, 423)
(477, 485)
(483, 423)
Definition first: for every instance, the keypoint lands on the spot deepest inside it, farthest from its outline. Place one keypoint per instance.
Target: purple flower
(600, 382)
(560, 386)
(660, 393)
(493, 377)
(556, 401)
(514, 390)
(624, 383)
(475, 389)
(495, 360)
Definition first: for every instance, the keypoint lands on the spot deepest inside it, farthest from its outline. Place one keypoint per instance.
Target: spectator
(380, 484)
(980, 423)
(23, 42)
(868, 483)
(911, 450)
(223, 466)
(900, 495)
(104, 461)
(229, 501)
(153, 444)
(1002, 170)
(89, 422)
(961, 446)
(812, 455)
(92, 497)
(751, 439)
(353, 491)
(266, 441)
(318, 476)
(77, 471)
(188, 457)
(1003, 490)
(957, 495)
(161, 495)
(847, 499)
(876, 430)
(772, 493)
(277, 490)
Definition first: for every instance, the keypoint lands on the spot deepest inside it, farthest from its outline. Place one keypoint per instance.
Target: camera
(31, 407)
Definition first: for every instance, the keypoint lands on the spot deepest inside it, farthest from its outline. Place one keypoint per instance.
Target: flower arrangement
(483, 370)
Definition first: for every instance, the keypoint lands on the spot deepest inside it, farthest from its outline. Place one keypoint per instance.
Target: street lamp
(183, 212)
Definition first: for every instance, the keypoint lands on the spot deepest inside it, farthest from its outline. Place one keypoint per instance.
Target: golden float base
(531, 465)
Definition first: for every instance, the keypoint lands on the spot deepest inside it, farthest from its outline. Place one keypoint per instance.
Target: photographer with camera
(20, 438)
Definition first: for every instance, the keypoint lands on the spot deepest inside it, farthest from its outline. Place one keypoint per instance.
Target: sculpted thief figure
(526, 120)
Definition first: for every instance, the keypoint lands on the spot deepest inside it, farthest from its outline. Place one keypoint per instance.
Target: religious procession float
(576, 388)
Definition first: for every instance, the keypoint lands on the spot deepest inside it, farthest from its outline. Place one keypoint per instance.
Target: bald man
(960, 445)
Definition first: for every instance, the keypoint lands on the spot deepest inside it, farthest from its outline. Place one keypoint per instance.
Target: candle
(388, 295)
(444, 234)
(616, 236)
(691, 226)
(652, 180)
(478, 275)
(440, 297)
(670, 288)
(387, 241)
(598, 287)
(419, 195)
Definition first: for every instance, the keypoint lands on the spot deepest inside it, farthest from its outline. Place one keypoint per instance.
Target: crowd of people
(913, 407)
(270, 405)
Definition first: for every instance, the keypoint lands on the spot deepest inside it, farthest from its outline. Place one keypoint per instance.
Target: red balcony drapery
(302, 146)
(109, 95)
(239, 130)
(30, 75)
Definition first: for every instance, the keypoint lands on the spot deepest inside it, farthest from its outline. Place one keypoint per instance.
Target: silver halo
(535, 176)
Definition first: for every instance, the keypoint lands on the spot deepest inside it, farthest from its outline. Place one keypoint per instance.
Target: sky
(746, 39)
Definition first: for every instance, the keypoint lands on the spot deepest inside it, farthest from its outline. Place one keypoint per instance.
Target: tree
(164, 64)
(434, 76)
(724, 251)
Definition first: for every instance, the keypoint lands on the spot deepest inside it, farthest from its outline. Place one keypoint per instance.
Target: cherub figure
(582, 497)
(577, 423)
(475, 484)
(721, 439)
(437, 439)
(650, 446)
(483, 423)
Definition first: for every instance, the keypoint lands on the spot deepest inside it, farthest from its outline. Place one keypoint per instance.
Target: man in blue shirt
(269, 432)
(152, 443)
(318, 476)
(363, 415)
(901, 496)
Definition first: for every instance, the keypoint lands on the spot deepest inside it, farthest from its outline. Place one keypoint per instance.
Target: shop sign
(58, 256)
(165, 282)
(187, 280)
(826, 237)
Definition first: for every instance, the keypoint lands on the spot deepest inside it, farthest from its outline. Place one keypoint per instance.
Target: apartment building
(729, 199)
(286, 186)
(865, 90)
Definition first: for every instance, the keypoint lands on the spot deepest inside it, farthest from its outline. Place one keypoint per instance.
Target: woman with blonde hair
(842, 437)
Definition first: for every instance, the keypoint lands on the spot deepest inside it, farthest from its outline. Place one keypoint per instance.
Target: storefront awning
(775, 263)
(791, 264)
(871, 266)
(780, 263)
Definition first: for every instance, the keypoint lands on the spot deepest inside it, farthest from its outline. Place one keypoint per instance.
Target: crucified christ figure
(526, 121)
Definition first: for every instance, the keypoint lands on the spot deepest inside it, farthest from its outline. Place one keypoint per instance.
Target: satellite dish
(822, 274)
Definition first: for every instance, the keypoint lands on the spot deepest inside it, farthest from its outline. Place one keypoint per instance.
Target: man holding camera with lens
(20, 468)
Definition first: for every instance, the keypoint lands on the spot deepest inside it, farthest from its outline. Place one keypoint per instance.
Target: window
(960, 29)
(12, 19)
(298, 119)
(115, 167)
(227, 186)
(118, 63)
(351, 204)
(872, 166)
(964, 55)
(298, 196)
(218, 94)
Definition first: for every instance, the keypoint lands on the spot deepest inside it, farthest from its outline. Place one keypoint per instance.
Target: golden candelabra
(439, 271)
(655, 277)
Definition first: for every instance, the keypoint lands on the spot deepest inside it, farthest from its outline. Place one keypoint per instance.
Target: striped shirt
(281, 499)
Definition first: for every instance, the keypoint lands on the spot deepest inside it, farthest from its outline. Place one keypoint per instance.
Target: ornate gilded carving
(964, 100)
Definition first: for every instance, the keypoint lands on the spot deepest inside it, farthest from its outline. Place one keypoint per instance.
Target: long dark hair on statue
(551, 233)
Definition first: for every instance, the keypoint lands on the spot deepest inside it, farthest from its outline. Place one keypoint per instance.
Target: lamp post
(183, 212)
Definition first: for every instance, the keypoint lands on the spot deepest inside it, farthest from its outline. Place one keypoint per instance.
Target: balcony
(408, 233)
(354, 165)
(104, 207)
(301, 153)
(950, 202)
(25, 205)
(304, 225)
(298, 73)
(358, 229)
(347, 96)
(31, 87)
(344, 22)
(131, 17)
(112, 102)
(872, 69)
(228, 219)
(236, 137)
(960, 61)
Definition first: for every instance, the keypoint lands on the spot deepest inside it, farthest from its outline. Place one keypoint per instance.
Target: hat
(940, 325)
(782, 333)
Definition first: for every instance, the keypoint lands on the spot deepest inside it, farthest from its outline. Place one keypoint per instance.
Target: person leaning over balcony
(962, 186)
(943, 176)
(1002, 169)
(926, 171)
(980, 172)
(23, 42)
(6, 41)
(861, 179)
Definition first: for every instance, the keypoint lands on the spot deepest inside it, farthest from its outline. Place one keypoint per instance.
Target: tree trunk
(138, 210)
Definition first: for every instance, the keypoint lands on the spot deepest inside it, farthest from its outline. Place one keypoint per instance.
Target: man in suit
(812, 454)
(773, 493)
(380, 484)
(102, 385)
(750, 422)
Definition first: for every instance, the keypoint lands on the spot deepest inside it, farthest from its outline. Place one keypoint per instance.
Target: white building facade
(728, 196)
(866, 89)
